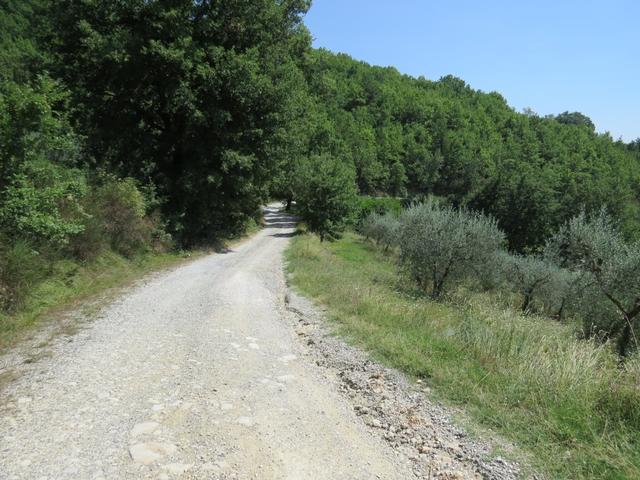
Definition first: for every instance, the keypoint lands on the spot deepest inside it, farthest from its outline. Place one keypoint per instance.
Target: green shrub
(118, 219)
(20, 268)
(442, 244)
(41, 203)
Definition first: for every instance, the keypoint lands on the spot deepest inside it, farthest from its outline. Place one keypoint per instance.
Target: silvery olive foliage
(587, 270)
(439, 244)
(528, 275)
(560, 295)
(383, 229)
(594, 247)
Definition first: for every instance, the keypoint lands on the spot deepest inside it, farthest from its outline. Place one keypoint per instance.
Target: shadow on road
(284, 235)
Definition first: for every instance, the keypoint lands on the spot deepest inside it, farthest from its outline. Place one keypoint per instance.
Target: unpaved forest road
(195, 374)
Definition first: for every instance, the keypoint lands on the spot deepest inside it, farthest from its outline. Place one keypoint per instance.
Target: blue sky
(550, 56)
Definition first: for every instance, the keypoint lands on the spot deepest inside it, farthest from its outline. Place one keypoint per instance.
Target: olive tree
(528, 275)
(560, 295)
(439, 244)
(382, 228)
(594, 246)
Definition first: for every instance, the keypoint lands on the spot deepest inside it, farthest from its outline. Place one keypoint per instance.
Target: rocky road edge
(399, 411)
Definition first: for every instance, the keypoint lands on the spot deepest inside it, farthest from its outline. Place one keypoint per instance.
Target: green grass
(71, 282)
(565, 402)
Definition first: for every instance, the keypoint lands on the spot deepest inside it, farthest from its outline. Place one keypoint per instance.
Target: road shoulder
(420, 431)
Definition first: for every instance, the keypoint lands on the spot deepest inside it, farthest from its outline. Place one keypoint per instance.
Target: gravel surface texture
(397, 410)
(213, 371)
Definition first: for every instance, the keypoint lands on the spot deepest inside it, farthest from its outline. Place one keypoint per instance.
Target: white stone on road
(246, 421)
(144, 428)
(148, 453)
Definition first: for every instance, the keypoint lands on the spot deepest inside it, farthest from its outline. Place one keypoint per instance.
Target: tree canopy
(194, 98)
(213, 107)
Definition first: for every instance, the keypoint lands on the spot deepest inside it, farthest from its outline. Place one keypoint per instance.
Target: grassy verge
(564, 401)
(71, 282)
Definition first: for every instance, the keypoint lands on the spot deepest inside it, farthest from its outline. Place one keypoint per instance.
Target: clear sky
(551, 56)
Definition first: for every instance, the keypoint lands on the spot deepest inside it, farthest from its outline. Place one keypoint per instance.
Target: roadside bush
(20, 267)
(117, 220)
(442, 244)
(41, 203)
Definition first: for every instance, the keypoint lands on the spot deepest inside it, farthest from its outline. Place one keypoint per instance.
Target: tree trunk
(625, 338)
(528, 296)
(437, 289)
(560, 312)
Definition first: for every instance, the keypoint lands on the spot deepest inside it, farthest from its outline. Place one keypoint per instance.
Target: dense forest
(136, 125)
(416, 137)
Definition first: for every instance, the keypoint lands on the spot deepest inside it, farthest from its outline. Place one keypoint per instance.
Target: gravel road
(199, 372)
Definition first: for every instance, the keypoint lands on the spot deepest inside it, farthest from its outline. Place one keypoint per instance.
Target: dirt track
(197, 373)
(207, 372)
